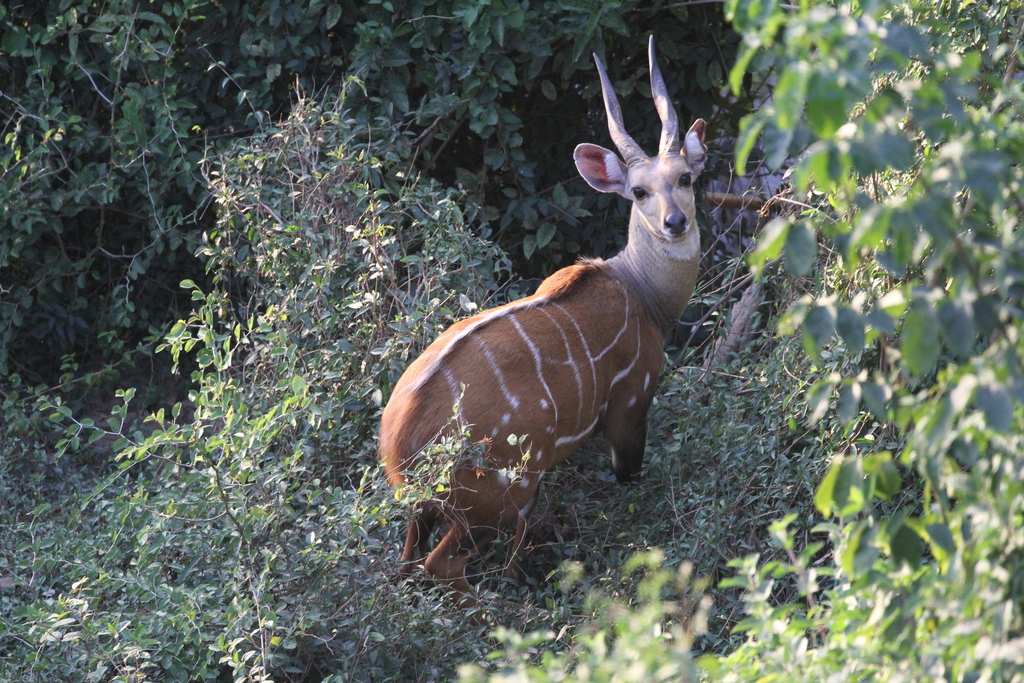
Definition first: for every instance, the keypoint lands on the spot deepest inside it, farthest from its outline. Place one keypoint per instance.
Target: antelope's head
(660, 187)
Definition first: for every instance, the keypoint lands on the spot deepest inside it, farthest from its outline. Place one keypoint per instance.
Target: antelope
(581, 355)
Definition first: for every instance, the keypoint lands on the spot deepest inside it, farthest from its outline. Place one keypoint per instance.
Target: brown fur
(480, 498)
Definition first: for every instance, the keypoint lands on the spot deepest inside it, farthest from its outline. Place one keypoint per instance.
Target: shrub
(246, 533)
(905, 123)
(108, 108)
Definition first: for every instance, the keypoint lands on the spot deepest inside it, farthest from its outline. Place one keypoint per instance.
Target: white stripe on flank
(452, 384)
(570, 361)
(497, 373)
(625, 324)
(625, 371)
(478, 321)
(586, 350)
(538, 363)
(561, 441)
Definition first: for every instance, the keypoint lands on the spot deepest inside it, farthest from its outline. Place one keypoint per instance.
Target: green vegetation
(840, 500)
(110, 107)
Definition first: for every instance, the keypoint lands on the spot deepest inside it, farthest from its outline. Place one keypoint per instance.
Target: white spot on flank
(525, 483)
(502, 478)
(647, 380)
(550, 429)
(494, 432)
(540, 455)
(544, 403)
(505, 418)
(632, 402)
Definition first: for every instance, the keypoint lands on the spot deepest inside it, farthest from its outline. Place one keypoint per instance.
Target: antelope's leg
(626, 431)
(417, 538)
(512, 568)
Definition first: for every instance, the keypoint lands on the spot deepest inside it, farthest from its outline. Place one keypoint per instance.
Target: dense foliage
(108, 107)
(245, 529)
(905, 121)
(914, 167)
(864, 464)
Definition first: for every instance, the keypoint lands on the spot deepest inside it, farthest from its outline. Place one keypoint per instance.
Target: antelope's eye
(685, 180)
(639, 192)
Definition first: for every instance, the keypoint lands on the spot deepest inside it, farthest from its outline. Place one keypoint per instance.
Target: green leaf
(801, 249)
(545, 233)
(919, 339)
(849, 401)
(883, 473)
(790, 91)
(769, 244)
(14, 41)
(826, 104)
(859, 552)
(848, 497)
(876, 396)
(529, 245)
(941, 540)
(995, 402)
(906, 546)
(957, 318)
(824, 497)
(818, 328)
(750, 127)
(850, 326)
(889, 482)
(776, 144)
(332, 15)
(818, 399)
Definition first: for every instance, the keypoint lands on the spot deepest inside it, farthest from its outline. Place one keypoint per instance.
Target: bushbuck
(579, 356)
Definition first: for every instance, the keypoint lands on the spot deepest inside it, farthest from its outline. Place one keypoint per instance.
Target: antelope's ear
(601, 168)
(694, 147)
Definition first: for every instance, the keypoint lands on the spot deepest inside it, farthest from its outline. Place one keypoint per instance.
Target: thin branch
(95, 87)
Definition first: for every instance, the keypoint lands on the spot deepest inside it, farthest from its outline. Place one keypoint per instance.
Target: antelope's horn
(630, 151)
(669, 120)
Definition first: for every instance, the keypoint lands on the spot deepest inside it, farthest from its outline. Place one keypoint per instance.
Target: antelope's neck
(661, 273)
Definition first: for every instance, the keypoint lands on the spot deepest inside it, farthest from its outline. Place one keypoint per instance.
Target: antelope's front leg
(626, 432)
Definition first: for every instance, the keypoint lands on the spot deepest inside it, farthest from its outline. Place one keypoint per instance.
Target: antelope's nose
(675, 224)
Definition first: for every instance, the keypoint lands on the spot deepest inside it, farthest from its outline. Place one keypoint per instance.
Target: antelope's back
(544, 367)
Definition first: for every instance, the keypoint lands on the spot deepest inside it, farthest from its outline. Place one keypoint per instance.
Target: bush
(905, 123)
(247, 532)
(108, 109)
(913, 164)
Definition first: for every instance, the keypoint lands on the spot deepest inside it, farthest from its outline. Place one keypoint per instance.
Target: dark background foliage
(107, 109)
